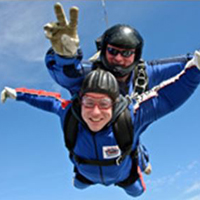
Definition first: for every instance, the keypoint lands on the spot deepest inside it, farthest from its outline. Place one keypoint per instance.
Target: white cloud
(192, 165)
(177, 177)
(23, 44)
(22, 32)
(193, 188)
(196, 197)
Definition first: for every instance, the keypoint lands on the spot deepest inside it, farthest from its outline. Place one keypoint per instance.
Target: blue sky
(33, 161)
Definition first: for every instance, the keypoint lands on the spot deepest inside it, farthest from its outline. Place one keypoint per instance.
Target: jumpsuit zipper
(100, 168)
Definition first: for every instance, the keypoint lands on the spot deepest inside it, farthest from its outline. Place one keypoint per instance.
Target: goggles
(102, 103)
(124, 53)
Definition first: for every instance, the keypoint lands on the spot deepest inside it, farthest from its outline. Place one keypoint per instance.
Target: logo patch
(111, 152)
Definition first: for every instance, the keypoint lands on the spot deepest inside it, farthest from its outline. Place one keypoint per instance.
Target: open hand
(63, 34)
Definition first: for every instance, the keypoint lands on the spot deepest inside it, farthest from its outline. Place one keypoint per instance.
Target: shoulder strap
(70, 130)
(140, 78)
(123, 130)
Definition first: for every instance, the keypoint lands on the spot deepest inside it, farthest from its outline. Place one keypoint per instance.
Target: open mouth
(95, 120)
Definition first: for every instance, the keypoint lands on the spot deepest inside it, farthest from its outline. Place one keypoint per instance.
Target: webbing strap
(116, 161)
(70, 130)
(123, 131)
(140, 79)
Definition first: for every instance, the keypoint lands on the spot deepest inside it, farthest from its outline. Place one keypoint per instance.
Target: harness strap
(133, 174)
(128, 181)
(123, 131)
(116, 161)
(140, 79)
(81, 178)
(70, 130)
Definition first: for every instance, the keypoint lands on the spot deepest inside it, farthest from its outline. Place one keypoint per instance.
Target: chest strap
(116, 161)
(122, 129)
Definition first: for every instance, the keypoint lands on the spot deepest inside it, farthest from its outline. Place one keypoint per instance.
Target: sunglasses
(103, 103)
(124, 53)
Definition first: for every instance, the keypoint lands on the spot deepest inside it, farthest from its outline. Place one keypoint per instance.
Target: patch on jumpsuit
(111, 152)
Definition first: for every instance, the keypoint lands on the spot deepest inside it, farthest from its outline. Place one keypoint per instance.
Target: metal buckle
(119, 160)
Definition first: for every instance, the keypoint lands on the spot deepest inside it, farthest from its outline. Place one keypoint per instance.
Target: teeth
(95, 120)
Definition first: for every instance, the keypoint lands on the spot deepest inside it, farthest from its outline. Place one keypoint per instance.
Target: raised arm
(167, 96)
(163, 69)
(63, 34)
(64, 59)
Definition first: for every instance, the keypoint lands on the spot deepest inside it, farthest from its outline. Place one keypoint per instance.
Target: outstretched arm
(163, 69)
(47, 101)
(167, 96)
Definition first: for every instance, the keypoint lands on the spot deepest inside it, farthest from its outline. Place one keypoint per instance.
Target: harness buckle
(119, 160)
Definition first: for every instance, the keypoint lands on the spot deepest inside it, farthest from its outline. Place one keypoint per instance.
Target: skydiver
(99, 154)
(119, 49)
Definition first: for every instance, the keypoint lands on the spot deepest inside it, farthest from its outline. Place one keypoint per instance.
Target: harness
(122, 129)
(122, 126)
(140, 79)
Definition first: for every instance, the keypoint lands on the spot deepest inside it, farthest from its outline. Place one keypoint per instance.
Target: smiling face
(96, 110)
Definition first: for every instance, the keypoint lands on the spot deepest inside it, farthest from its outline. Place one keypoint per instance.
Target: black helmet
(122, 36)
(100, 81)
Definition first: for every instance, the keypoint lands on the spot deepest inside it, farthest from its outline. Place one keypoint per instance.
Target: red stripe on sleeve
(56, 95)
(38, 92)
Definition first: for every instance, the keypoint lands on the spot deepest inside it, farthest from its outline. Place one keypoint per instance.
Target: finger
(60, 14)
(10, 92)
(73, 17)
(50, 29)
(197, 59)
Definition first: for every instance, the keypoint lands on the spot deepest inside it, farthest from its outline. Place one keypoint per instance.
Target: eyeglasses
(124, 53)
(103, 103)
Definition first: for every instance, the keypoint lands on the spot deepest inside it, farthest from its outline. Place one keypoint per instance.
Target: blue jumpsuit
(70, 72)
(144, 110)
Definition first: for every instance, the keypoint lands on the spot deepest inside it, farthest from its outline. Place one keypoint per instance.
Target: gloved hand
(63, 34)
(8, 93)
(195, 60)
(94, 57)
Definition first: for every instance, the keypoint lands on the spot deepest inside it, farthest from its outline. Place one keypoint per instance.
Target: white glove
(197, 59)
(8, 93)
(194, 61)
(95, 56)
(63, 35)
